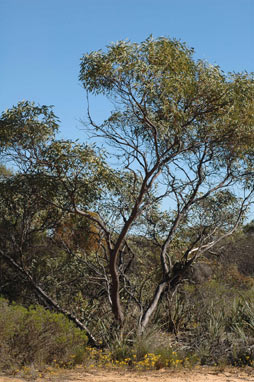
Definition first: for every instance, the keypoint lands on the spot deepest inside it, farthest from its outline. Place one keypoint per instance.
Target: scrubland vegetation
(207, 323)
(131, 250)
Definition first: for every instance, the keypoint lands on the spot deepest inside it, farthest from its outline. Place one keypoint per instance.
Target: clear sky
(42, 42)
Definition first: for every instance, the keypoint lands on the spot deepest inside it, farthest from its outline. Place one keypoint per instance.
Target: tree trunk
(115, 288)
(171, 282)
(152, 307)
(52, 303)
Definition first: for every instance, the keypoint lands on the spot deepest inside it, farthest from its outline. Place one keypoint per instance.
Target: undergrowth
(216, 334)
(36, 336)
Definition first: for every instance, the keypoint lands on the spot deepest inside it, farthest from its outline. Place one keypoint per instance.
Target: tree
(181, 130)
(182, 133)
(35, 202)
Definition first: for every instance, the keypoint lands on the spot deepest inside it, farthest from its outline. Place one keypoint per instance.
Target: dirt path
(202, 375)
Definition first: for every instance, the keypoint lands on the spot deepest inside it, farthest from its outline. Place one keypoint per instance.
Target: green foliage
(158, 83)
(37, 336)
(27, 125)
(54, 169)
(214, 322)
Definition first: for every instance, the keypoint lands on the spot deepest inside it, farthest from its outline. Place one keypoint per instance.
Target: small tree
(36, 200)
(182, 133)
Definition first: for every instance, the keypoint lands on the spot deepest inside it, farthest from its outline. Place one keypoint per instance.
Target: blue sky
(42, 42)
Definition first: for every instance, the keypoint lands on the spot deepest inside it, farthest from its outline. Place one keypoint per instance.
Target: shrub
(37, 336)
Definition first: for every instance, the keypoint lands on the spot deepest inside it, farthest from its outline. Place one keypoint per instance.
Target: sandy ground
(202, 375)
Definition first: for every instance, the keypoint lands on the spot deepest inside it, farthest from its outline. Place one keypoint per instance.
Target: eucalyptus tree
(181, 131)
(182, 134)
(36, 199)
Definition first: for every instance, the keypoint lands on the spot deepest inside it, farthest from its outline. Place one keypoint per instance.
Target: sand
(200, 375)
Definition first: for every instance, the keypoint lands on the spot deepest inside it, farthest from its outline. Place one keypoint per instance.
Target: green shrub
(37, 336)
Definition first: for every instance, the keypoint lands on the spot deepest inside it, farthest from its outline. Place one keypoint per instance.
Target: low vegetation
(209, 323)
(36, 336)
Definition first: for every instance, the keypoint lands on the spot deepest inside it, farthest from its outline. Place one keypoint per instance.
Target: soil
(163, 375)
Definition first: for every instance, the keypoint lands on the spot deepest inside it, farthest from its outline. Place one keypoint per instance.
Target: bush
(37, 336)
(218, 324)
